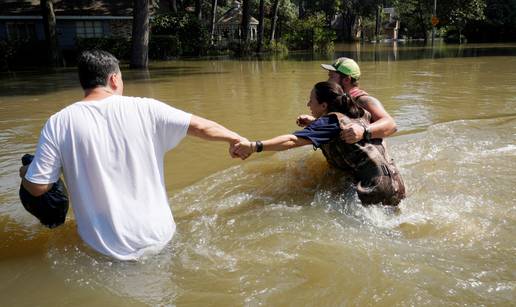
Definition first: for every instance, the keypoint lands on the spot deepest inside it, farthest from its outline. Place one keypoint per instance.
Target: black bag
(51, 207)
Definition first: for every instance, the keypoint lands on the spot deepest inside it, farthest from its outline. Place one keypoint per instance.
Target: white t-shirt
(111, 152)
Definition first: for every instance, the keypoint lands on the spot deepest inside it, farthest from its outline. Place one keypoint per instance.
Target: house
(228, 28)
(391, 25)
(22, 20)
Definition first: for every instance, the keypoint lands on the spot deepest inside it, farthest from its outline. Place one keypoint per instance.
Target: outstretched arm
(212, 131)
(283, 142)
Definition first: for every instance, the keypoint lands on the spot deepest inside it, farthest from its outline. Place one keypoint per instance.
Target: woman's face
(317, 109)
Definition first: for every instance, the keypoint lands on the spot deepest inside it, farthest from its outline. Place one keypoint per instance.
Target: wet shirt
(321, 131)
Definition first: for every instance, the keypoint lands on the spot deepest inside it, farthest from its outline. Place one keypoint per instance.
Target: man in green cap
(346, 72)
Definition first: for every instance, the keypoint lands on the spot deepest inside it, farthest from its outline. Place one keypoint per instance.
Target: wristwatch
(367, 133)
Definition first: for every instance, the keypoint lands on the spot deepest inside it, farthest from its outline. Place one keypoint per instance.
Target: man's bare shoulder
(368, 102)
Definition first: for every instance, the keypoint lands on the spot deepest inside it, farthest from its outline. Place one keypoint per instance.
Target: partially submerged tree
(140, 36)
(274, 19)
(246, 19)
(261, 26)
(49, 23)
(213, 19)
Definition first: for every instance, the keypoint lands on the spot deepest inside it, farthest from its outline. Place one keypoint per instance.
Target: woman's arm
(283, 142)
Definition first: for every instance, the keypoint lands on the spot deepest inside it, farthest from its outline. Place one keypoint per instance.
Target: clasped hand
(242, 149)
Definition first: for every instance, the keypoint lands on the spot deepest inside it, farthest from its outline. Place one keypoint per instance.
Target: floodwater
(275, 229)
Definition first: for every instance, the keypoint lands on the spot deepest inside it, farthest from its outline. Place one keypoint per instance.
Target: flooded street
(275, 229)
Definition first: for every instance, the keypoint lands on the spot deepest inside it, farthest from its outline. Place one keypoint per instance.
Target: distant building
(229, 27)
(391, 25)
(74, 19)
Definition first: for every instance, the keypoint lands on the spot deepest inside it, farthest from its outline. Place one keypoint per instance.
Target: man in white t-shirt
(110, 149)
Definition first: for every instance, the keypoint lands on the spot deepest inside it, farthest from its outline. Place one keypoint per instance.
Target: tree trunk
(274, 19)
(301, 10)
(378, 23)
(245, 21)
(261, 18)
(198, 9)
(213, 19)
(140, 36)
(173, 6)
(49, 23)
(422, 22)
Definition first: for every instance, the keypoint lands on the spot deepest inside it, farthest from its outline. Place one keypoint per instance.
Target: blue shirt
(321, 131)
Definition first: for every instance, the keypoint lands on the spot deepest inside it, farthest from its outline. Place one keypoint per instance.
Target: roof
(234, 16)
(68, 8)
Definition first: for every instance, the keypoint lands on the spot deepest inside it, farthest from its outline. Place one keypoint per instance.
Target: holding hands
(242, 149)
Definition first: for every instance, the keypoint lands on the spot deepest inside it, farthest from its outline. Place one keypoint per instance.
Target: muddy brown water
(275, 229)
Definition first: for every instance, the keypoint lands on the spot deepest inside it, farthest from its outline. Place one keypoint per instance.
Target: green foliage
(119, 47)
(310, 33)
(277, 47)
(415, 15)
(501, 12)
(163, 47)
(192, 34)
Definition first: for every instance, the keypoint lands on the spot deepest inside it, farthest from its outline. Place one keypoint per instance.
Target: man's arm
(34, 189)
(211, 131)
(382, 124)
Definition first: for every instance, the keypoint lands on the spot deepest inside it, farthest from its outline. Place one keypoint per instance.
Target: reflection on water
(282, 229)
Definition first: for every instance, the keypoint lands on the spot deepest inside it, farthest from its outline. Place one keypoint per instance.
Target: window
(89, 29)
(21, 30)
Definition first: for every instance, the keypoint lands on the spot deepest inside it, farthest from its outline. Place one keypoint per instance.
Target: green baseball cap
(345, 66)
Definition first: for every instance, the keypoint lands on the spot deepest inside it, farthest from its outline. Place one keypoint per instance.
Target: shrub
(310, 33)
(119, 47)
(187, 29)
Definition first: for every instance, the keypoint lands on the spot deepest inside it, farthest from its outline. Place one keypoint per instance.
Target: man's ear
(113, 81)
(324, 105)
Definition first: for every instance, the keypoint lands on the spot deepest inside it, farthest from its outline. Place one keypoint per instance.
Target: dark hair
(95, 66)
(337, 100)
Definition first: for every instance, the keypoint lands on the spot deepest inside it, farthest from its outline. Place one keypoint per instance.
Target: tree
(352, 11)
(198, 9)
(49, 22)
(274, 19)
(140, 35)
(213, 18)
(416, 14)
(261, 19)
(172, 6)
(245, 21)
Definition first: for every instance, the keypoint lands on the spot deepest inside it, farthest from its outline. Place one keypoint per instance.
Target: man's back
(111, 152)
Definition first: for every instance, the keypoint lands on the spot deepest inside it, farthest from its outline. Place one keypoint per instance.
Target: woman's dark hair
(337, 100)
(95, 66)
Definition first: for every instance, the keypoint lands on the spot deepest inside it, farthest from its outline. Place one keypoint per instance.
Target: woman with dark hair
(367, 162)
